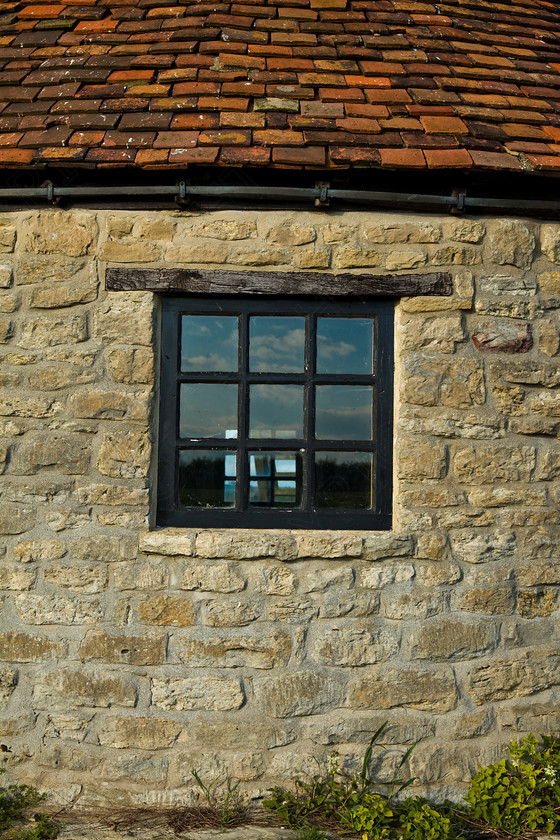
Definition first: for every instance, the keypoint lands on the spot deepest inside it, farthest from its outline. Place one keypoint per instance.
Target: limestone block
(507, 284)
(101, 548)
(112, 494)
(544, 402)
(480, 547)
(97, 403)
(494, 464)
(433, 381)
(69, 232)
(231, 613)
(438, 574)
(210, 693)
(149, 649)
(133, 251)
(519, 676)
(65, 755)
(389, 544)
(398, 260)
(218, 577)
(170, 543)
(320, 580)
(15, 519)
(550, 242)
(377, 577)
(416, 604)
(548, 337)
(35, 608)
(333, 545)
(150, 576)
(228, 229)
(526, 310)
(27, 406)
(417, 460)
(530, 717)
(49, 330)
(173, 610)
(537, 574)
(500, 496)
(537, 603)
(9, 302)
(159, 229)
(287, 234)
(292, 611)
(490, 599)
(32, 268)
(8, 681)
(430, 690)
(433, 333)
(452, 639)
(68, 687)
(144, 733)
(510, 242)
(509, 400)
(245, 545)
(336, 604)
(152, 770)
(6, 276)
(53, 378)
(247, 732)
(21, 724)
(526, 372)
(346, 256)
(120, 225)
(68, 454)
(503, 337)
(16, 579)
(131, 366)
(276, 580)
(124, 454)
(317, 258)
(88, 579)
(464, 230)
(6, 330)
(263, 649)
(21, 647)
(456, 255)
(296, 694)
(549, 282)
(539, 544)
(204, 253)
(348, 646)
(387, 234)
(338, 233)
(474, 724)
(260, 256)
(39, 550)
(59, 296)
(125, 319)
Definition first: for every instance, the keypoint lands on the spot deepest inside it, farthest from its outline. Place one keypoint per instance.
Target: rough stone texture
(133, 655)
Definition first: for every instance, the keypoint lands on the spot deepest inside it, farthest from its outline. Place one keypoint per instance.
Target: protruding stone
(21, 647)
(352, 646)
(494, 464)
(266, 650)
(35, 608)
(296, 694)
(510, 242)
(385, 688)
(69, 232)
(452, 639)
(519, 676)
(215, 577)
(83, 688)
(212, 693)
(503, 337)
(8, 681)
(48, 331)
(68, 454)
(124, 454)
(173, 610)
(149, 649)
(144, 733)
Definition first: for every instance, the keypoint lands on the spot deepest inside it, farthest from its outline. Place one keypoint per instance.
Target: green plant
(15, 800)
(372, 818)
(522, 793)
(223, 797)
(44, 829)
(421, 821)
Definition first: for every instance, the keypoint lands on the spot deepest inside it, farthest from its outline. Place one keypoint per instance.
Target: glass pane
(276, 411)
(206, 478)
(275, 479)
(343, 480)
(345, 345)
(208, 410)
(276, 344)
(209, 342)
(343, 412)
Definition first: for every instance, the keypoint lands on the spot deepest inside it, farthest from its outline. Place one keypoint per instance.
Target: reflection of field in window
(206, 478)
(343, 480)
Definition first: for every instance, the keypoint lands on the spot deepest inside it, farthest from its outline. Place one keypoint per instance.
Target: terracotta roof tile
(287, 83)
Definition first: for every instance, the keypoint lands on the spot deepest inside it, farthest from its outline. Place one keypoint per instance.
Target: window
(276, 413)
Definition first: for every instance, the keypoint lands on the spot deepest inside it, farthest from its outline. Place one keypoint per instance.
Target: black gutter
(321, 195)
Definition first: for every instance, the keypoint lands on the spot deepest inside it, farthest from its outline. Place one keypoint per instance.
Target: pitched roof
(286, 83)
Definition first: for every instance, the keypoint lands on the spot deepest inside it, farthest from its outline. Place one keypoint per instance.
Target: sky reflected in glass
(276, 344)
(343, 412)
(345, 345)
(208, 410)
(209, 343)
(276, 411)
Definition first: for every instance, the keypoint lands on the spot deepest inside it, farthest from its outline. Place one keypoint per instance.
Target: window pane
(345, 345)
(208, 410)
(276, 344)
(343, 412)
(206, 478)
(343, 480)
(275, 479)
(209, 342)
(276, 411)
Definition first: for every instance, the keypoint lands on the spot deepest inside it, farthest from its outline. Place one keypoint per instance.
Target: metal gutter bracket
(182, 197)
(51, 196)
(459, 207)
(323, 198)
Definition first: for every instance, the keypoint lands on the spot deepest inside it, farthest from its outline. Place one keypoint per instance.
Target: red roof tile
(287, 83)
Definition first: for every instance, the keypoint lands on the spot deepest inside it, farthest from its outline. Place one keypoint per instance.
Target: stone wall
(133, 656)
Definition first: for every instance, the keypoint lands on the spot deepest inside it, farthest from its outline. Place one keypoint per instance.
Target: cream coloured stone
(536, 574)
(536, 603)
(349, 647)
(387, 234)
(227, 229)
(530, 716)
(9, 302)
(452, 639)
(211, 693)
(6, 330)
(510, 242)
(144, 733)
(28, 406)
(260, 256)
(509, 400)
(198, 253)
(376, 577)
(215, 577)
(494, 464)
(334, 544)
(22, 647)
(550, 242)
(30, 551)
(120, 225)
(148, 649)
(68, 454)
(433, 333)
(507, 284)
(173, 610)
(405, 259)
(418, 688)
(464, 230)
(89, 579)
(424, 234)
(54, 378)
(97, 403)
(70, 232)
(549, 282)
(298, 693)
(219, 613)
(21, 724)
(498, 496)
(159, 229)
(517, 676)
(246, 732)
(292, 611)
(291, 234)
(124, 454)
(59, 296)
(540, 543)
(456, 255)
(338, 233)
(347, 256)
(16, 578)
(144, 769)
(125, 319)
(132, 366)
(318, 258)
(134, 251)
(15, 519)
(112, 494)
(6, 276)
(434, 381)
(8, 681)
(355, 604)
(319, 580)
(417, 460)
(245, 545)
(389, 544)
(489, 599)
(276, 580)
(102, 548)
(480, 547)
(416, 604)
(82, 687)
(170, 543)
(48, 330)
(150, 576)
(525, 310)
(263, 650)
(548, 336)
(438, 574)
(35, 608)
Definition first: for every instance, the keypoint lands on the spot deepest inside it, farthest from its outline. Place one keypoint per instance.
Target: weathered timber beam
(203, 282)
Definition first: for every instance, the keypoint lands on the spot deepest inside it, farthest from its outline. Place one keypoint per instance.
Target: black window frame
(171, 514)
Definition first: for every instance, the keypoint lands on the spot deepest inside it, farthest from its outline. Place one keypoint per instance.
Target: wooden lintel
(206, 282)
